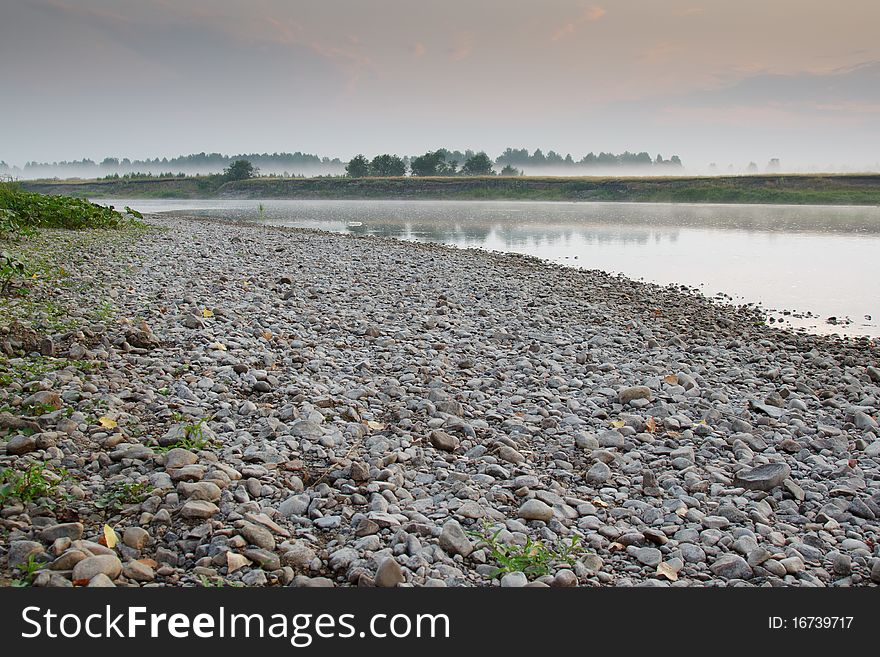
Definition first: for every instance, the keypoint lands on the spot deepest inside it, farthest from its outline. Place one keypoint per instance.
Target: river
(810, 267)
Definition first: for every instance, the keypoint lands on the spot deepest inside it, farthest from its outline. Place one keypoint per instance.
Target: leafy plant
(533, 558)
(11, 268)
(28, 570)
(122, 493)
(36, 482)
(193, 437)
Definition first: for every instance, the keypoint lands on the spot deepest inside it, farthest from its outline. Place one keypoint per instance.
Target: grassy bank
(863, 189)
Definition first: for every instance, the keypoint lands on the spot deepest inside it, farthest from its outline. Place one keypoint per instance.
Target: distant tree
(675, 161)
(358, 167)
(240, 170)
(773, 164)
(510, 171)
(752, 168)
(387, 166)
(478, 165)
(432, 163)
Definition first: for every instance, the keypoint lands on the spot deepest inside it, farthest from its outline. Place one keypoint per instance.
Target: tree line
(511, 162)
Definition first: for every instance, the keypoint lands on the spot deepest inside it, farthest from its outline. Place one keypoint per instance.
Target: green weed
(534, 558)
(122, 493)
(34, 483)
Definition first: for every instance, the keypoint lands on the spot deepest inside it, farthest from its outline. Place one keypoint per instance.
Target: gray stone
(135, 537)
(453, 540)
(103, 564)
(296, 505)
(258, 535)
(19, 445)
(138, 571)
(71, 530)
(764, 477)
(731, 566)
(389, 574)
(628, 395)
(198, 510)
(514, 580)
(535, 510)
(20, 551)
(598, 474)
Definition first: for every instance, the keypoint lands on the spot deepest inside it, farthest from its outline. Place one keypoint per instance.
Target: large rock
(258, 535)
(453, 540)
(535, 510)
(731, 566)
(389, 574)
(71, 530)
(102, 564)
(199, 510)
(19, 445)
(764, 477)
(179, 458)
(443, 441)
(20, 551)
(44, 398)
(628, 395)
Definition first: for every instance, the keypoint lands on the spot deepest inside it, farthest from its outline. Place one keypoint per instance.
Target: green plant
(121, 493)
(11, 268)
(28, 570)
(34, 483)
(533, 558)
(217, 582)
(193, 436)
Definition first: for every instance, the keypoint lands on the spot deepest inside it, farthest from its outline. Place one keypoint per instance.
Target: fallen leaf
(602, 503)
(207, 313)
(81, 582)
(650, 425)
(375, 426)
(616, 547)
(681, 511)
(267, 335)
(667, 571)
(107, 423)
(219, 346)
(671, 379)
(110, 539)
(617, 424)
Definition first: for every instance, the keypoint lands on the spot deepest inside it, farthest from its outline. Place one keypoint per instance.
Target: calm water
(819, 260)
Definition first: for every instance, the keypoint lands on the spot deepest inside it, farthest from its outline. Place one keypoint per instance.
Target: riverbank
(252, 405)
(863, 189)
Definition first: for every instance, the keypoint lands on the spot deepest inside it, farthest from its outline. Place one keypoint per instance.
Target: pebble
(535, 510)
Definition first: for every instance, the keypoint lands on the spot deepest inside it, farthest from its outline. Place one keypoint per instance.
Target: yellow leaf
(219, 346)
(267, 335)
(375, 426)
(108, 423)
(602, 503)
(110, 537)
(207, 313)
(667, 571)
(618, 423)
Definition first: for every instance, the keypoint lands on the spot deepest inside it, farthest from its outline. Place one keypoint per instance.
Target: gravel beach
(258, 406)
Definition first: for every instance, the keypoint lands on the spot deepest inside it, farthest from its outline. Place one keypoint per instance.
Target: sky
(709, 80)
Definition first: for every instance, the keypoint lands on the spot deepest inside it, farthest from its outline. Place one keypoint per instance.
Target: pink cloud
(588, 15)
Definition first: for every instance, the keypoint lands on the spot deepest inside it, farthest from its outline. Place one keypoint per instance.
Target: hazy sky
(710, 80)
